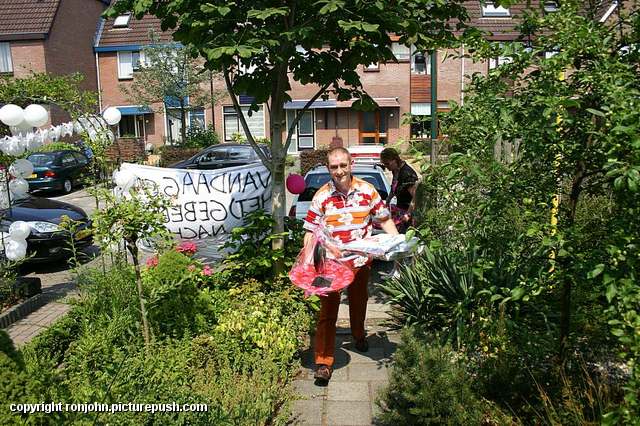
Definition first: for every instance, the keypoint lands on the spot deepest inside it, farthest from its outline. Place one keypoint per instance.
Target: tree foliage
(261, 47)
(572, 122)
(170, 75)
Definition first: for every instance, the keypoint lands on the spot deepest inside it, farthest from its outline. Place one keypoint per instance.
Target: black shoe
(323, 374)
(362, 345)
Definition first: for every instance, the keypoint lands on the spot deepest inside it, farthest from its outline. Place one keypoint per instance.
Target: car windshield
(41, 159)
(314, 181)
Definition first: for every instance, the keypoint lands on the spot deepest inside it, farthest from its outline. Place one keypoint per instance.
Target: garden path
(349, 398)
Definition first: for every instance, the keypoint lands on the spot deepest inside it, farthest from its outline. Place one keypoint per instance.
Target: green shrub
(58, 146)
(251, 253)
(197, 137)
(172, 293)
(52, 344)
(440, 293)
(429, 385)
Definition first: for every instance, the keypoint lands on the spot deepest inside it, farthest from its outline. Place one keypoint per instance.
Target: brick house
(52, 36)
(400, 89)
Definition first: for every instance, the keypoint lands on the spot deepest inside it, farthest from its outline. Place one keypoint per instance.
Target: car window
(42, 159)
(238, 153)
(314, 181)
(214, 155)
(68, 160)
(80, 158)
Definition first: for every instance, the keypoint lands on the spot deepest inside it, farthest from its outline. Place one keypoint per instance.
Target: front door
(373, 127)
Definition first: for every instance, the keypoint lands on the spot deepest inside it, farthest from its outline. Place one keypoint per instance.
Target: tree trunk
(279, 155)
(183, 121)
(133, 249)
(565, 296)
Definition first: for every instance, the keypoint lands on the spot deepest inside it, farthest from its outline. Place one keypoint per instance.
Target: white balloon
(19, 230)
(112, 115)
(18, 187)
(36, 115)
(124, 179)
(11, 115)
(15, 250)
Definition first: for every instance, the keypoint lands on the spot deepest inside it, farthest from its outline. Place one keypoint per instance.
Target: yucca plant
(435, 293)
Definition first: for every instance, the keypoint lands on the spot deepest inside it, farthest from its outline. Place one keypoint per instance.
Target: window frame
(229, 110)
(402, 58)
(126, 17)
(295, 142)
(8, 58)
(490, 10)
(427, 62)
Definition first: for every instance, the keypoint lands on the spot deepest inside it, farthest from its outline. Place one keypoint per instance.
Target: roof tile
(27, 16)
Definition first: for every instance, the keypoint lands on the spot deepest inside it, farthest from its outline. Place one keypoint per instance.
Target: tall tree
(170, 75)
(313, 42)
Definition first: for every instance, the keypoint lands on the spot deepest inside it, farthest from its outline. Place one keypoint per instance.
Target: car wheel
(67, 186)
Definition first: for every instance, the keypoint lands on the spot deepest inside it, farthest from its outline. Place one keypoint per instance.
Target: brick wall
(69, 47)
(127, 149)
(27, 57)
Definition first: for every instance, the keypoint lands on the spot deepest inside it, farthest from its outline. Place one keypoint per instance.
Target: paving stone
(307, 412)
(351, 356)
(308, 390)
(347, 391)
(348, 413)
(361, 372)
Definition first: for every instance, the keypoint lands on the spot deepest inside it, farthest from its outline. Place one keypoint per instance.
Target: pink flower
(187, 247)
(152, 262)
(207, 271)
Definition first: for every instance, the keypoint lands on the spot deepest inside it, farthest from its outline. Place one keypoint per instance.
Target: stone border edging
(20, 311)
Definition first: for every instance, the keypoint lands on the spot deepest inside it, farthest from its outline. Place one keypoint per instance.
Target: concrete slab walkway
(349, 398)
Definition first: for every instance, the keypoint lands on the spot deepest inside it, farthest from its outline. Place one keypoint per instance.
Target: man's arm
(388, 226)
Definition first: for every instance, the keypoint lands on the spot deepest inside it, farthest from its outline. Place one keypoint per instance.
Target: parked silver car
(319, 175)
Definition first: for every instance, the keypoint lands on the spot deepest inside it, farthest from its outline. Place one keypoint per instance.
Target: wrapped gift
(383, 246)
(316, 272)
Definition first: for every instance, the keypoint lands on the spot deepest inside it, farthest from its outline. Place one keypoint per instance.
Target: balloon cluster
(15, 247)
(22, 121)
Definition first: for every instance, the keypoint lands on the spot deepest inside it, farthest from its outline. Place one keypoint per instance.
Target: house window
(196, 118)
(233, 127)
(128, 62)
(420, 62)
(302, 136)
(127, 126)
(372, 67)
(401, 52)
(551, 6)
(500, 60)
(6, 66)
(489, 10)
(122, 21)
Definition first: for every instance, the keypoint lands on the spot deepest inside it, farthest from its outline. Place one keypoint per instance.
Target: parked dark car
(47, 241)
(58, 170)
(222, 155)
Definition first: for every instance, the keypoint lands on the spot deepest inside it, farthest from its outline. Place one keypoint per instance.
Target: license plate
(32, 176)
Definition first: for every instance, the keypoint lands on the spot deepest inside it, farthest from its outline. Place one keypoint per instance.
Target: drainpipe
(434, 104)
(98, 77)
(462, 77)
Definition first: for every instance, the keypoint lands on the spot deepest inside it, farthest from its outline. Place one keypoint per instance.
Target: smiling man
(347, 206)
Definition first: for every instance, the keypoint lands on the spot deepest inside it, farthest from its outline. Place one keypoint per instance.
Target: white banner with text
(207, 203)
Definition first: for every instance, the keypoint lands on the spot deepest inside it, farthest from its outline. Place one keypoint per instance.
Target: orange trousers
(325, 339)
